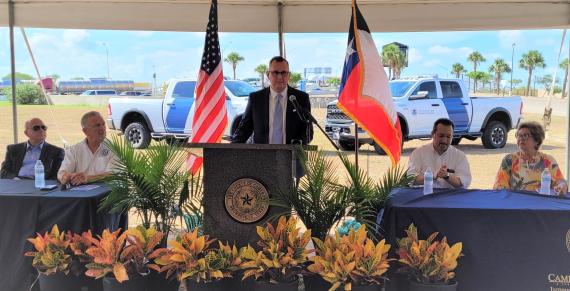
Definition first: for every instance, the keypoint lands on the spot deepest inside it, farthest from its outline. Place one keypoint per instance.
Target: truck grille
(334, 112)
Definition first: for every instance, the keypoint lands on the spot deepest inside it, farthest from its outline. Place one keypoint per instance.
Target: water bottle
(39, 175)
(428, 181)
(545, 181)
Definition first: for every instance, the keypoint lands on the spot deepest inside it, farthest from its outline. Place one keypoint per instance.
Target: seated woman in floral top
(522, 170)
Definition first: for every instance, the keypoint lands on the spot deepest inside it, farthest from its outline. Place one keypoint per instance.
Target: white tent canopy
(298, 15)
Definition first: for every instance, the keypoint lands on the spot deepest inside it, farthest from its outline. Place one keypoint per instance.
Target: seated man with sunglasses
(22, 157)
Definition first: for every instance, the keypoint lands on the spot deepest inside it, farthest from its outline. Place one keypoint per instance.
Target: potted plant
(153, 182)
(195, 263)
(321, 200)
(280, 260)
(429, 263)
(58, 266)
(122, 259)
(352, 261)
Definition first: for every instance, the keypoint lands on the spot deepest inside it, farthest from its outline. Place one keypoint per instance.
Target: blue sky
(134, 55)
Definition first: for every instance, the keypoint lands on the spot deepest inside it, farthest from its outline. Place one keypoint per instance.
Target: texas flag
(364, 93)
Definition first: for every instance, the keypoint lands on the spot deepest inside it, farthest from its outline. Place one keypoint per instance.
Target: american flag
(210, 116)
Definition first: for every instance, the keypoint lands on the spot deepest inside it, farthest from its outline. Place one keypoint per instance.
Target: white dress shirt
(79, 158)
(272, 101)
(426, 156)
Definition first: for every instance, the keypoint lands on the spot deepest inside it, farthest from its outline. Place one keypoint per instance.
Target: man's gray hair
(87, 115)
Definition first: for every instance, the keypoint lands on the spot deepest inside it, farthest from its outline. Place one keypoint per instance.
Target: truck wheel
(379, 150)
(456, 140)
(137, 135)
(495, 135)
(346, 145)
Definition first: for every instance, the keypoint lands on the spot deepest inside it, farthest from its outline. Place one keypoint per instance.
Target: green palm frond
(396, 177)
(192, 208)
(319, 200)
(152, 182)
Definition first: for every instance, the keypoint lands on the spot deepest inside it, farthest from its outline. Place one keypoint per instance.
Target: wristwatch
(446, 177)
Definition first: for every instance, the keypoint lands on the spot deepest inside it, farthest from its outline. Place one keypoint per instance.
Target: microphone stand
(311, 119)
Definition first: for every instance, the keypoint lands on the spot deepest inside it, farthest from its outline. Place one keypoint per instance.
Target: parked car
(143, 119)
(421, 101)
(131, 93)
(99, 92)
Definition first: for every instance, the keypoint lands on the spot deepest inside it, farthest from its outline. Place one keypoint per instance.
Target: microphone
(297, 107)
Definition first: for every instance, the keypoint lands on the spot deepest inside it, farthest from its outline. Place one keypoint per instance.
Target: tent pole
(44, 91)
(568, 119)
(280, 27)
(13, 69)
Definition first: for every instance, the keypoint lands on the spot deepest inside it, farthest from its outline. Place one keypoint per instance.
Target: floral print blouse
(517, 173)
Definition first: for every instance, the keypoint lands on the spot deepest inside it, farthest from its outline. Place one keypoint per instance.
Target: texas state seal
(247, 200)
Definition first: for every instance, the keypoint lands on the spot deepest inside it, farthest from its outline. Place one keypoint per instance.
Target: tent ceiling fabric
(298, 15)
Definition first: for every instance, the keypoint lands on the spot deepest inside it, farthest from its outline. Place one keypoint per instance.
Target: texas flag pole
(364, 93)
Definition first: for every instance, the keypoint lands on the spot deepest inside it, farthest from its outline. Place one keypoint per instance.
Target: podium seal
(247, 200)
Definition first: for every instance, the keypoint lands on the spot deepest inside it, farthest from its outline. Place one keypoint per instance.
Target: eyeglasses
(522, 135)
(38, 127)
(277, 73)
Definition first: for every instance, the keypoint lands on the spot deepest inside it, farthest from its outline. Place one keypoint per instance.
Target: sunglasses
(38, 127)
(522, 135)
(277, 73)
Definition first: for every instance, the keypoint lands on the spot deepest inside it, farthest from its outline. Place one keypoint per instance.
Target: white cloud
(414, 56)
(508, 37)
(448, 52)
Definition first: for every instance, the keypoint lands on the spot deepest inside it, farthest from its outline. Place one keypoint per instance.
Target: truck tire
(379, 150)
(495, 135)
(137, 135)
(456, 140)
(346, 145)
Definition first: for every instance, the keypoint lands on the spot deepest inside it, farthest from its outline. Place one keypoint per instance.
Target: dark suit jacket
(256, 119)
(51, 156)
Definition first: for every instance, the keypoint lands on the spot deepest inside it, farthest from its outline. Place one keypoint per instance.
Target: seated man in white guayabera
(91, 159)
(449, 165)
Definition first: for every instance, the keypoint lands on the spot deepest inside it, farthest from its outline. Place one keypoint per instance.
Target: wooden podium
(238, 181)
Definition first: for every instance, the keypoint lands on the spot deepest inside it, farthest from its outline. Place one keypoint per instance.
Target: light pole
(108, 68)
(512, 67)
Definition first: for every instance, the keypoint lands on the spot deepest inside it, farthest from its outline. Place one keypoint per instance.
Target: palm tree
(399, 65)
(475, 58)
(457, 69)
(498, 68)
(390, 56)
(531, 60)
(261, 69)
(564, 66)
(233, 58)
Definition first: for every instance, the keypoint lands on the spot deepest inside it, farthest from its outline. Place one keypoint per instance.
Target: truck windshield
(184, 89)
(239, 88)
(399, 88)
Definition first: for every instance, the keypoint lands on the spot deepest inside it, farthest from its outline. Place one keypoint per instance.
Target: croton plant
(428, 261)
(351, 259)
(52, 253)
(191, 256)
(121, 254)
(283, 252)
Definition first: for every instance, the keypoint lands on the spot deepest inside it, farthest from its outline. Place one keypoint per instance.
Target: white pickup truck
(144, 118)
(421, 101)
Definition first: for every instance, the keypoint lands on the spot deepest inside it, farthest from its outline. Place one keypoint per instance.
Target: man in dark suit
(271, 116)
(22, 157)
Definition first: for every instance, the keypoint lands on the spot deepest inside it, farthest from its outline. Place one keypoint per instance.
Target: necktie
(277, 135)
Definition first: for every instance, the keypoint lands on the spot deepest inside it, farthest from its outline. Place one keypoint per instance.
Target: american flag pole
(210, 116)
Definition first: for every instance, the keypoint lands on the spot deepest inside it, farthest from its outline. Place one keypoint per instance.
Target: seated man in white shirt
(449, 165)
(89, 160)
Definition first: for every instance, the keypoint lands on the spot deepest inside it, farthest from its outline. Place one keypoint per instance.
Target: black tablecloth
(511, 241)
(25, 211)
